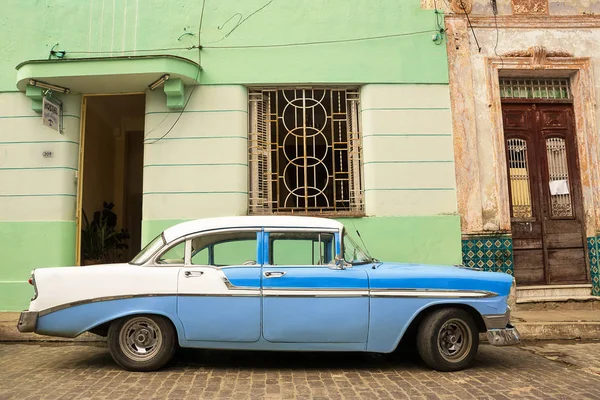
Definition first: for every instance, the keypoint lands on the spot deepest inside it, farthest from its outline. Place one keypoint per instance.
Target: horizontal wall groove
(207, 192)
(408, 162)
(405, 109)
(41, 141)
(194, 111)
(413, 189)
(150, 139)
(35, 168)
(39, 195)
(36, 116)
(408, 135)
(198, 165)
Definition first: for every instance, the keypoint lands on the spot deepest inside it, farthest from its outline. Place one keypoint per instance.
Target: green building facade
(329, 107)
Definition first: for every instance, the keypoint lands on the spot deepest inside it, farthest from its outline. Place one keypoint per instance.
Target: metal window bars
(305, 151)
(526, 88)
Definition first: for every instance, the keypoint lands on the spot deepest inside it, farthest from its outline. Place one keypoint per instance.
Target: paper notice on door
(559, 187)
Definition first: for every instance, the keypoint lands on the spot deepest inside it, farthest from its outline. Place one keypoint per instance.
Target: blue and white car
(270, 283)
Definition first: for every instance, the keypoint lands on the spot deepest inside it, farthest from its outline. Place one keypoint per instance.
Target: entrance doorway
(110, 178)
(549, 244)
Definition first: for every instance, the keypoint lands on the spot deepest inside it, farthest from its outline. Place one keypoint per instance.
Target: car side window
(223, 249)
(301, 248)
(175, 255)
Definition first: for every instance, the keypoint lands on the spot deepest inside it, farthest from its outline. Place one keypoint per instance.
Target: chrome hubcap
(140, 338)
(454, 340)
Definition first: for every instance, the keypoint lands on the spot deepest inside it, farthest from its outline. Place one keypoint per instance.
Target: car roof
(270, 221)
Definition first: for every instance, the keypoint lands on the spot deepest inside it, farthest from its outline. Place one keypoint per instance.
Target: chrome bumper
(507, 336)
(27, 321)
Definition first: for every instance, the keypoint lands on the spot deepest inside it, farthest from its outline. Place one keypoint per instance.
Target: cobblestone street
(84, 371)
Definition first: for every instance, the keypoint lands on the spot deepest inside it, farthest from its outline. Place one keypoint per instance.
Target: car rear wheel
(448, 339)
(141, 342)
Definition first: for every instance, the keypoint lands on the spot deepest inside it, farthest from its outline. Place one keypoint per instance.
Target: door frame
(81, 165)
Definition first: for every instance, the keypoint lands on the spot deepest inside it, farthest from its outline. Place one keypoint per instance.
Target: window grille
(558, 172)
(524, 88)
(305, 151)
(520, 188)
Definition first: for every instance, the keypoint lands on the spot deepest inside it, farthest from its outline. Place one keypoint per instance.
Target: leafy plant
(100, 239)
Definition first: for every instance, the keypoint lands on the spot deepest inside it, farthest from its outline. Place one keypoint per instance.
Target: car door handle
(193, 274)
(274, 274)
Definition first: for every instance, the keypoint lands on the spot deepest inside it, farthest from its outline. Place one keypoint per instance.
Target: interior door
(545, 194)
(307, 300)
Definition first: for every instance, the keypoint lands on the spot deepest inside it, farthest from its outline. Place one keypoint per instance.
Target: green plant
(100, 239)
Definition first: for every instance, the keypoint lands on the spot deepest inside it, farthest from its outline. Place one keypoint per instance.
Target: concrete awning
(106, 74)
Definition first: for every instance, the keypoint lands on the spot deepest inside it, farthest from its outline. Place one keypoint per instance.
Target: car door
(219, 287)
(306, 298)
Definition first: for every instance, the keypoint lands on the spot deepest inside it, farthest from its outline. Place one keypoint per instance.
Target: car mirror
(339, 263)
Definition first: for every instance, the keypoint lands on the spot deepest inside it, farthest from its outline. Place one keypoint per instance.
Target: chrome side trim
(101, 299)
(255, 293)
(432, 293)
(321, 292)
(231, 286)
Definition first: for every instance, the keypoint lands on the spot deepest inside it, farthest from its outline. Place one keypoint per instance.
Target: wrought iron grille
(558, 172)
(524, 88)
(520, 188)
(305, 151)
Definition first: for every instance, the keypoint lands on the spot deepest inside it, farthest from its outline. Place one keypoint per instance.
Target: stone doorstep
(545, 325)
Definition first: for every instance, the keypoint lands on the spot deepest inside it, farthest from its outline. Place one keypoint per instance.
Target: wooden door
(545, 194)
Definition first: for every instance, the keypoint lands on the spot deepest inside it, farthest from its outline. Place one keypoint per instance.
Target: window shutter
(259, 157)
(354, 153)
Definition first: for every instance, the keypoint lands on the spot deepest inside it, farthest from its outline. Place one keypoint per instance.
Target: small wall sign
(51, 114)
(47, 154)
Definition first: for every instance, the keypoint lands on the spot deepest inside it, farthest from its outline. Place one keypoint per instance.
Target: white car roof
(271, 221)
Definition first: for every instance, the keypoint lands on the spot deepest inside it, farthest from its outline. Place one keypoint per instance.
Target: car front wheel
(448, 339)
(141, 342)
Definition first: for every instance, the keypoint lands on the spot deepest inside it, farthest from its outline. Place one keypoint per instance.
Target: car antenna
(363, 242)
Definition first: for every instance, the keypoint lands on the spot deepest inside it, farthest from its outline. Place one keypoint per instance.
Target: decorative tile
(593, 248)
(491, 253)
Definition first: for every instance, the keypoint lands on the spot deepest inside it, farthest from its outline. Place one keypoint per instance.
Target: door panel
(529, 266)
(315, 304)
(221, 305)
(564, 265)
(545, 194)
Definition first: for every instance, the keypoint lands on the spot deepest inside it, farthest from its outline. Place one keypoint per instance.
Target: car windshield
(147, 251)
(353, 253)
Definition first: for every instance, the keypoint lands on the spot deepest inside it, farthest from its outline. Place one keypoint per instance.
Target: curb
(558, 330)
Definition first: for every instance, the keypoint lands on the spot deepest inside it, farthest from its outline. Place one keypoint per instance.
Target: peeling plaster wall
(582, 43)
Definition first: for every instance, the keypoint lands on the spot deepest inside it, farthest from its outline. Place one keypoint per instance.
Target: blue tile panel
(593, 252)
(492, 253)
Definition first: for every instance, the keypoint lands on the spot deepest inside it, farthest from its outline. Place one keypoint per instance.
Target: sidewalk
(533, 325)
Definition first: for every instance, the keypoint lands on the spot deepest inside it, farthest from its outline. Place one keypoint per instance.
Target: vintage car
(270, 283)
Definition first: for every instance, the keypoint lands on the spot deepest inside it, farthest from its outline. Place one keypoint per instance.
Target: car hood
(423, 276)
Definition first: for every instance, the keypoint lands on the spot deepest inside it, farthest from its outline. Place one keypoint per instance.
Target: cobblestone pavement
(77, 371)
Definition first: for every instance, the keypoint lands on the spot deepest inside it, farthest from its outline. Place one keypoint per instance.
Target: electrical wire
(439, 37)
(240, 21)
(263, 46)
(495, 12)
(133, 51)
(462, 5)
(199, 47)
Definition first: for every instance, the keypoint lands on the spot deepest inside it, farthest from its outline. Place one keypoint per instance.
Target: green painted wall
(425, 239)
(29, 29)
(30, 245)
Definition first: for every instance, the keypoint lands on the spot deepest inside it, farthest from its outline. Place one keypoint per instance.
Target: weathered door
(545, 193)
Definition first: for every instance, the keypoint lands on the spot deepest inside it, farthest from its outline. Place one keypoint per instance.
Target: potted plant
(100, 241)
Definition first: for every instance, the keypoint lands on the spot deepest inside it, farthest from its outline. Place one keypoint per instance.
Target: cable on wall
(199, 47)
